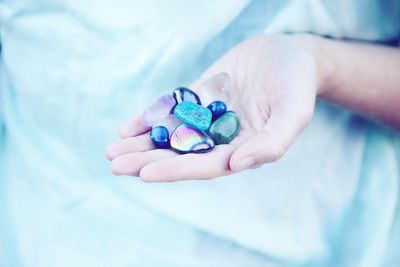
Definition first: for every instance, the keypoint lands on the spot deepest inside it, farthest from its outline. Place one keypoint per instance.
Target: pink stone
(170, 122)
(159, 110)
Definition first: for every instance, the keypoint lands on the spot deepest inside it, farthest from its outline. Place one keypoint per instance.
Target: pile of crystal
(180, 122)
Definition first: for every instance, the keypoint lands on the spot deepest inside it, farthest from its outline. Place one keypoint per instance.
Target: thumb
(271, 142)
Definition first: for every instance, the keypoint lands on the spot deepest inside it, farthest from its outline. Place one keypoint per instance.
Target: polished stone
(171, 122)
(160, 136)
(218, 108)
(187, 139)
(159, 110)
(185, 94)
(225, 128)
(216, 87)
(193, 114)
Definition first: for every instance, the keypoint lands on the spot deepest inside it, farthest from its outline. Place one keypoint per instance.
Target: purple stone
(159, 110)
(171, 122)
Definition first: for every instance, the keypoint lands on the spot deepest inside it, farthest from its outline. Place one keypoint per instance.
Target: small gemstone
(170, 122)
(225, 128)
(218, 108)
(184, 94)
(160, 136)
(193, 114)
(217, 87)
(159, 110)
(186, 139)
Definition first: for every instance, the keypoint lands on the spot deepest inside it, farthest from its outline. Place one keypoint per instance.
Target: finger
(138, 143)
(133, 127)
(271, 143)
(131, 163)
(189, 166)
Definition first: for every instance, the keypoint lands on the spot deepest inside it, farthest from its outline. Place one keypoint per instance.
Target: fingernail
(244, 163)
(255, 166)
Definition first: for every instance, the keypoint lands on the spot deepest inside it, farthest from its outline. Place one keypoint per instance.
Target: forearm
(363, 77)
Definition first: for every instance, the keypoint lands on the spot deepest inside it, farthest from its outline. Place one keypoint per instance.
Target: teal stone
(193, 114)
(225, 128)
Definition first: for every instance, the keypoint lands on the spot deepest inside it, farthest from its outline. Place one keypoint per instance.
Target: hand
(274, 80)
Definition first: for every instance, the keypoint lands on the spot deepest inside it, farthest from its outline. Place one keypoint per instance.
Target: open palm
(272, 88)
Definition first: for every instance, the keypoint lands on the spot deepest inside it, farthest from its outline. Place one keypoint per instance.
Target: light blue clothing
(73, 71)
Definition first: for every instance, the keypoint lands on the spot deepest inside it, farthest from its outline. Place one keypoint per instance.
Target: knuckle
(116, 167)
(277, 152)
(123, 133)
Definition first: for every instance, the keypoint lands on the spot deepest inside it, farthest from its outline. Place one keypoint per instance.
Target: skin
(275, 81)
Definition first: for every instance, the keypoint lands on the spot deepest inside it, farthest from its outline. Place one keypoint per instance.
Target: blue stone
(218, 108)
(185, 94)
(160, 136)
(193, 114)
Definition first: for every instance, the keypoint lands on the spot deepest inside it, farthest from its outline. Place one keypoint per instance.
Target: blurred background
(73, 71)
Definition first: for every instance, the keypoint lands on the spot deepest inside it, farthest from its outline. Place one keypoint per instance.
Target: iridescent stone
(186, 139)
(193, 114)
(170, 122)
(218, 108)
(159, 110)
(185, 94)
(224, 129)
(160, 136)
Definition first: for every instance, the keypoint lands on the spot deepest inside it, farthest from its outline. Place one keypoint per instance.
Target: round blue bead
(160, 136)
(218, 108)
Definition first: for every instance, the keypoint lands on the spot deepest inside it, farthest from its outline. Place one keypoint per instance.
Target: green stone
(193, 114)
(225, 128)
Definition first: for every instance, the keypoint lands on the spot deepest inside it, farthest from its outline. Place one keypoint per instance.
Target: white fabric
(73, 71)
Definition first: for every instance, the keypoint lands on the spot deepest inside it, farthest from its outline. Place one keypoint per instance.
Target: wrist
(317, 47)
